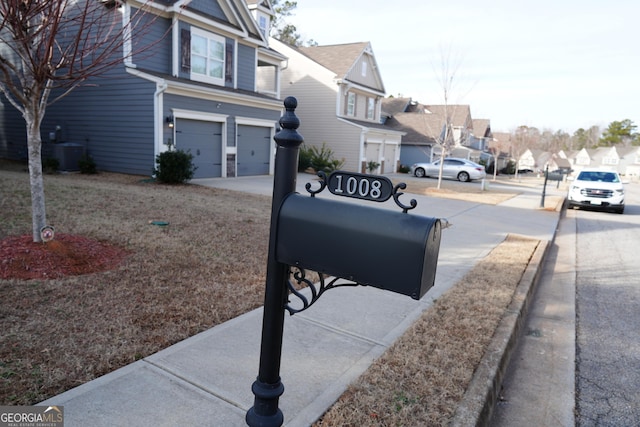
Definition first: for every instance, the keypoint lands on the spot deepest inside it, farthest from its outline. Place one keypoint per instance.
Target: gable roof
(237, 18)
(626, 151)
(264, 3)
(418, 127)
(425, 123)
(481, 128)
(392, 106)
(562, 163)
(457, 114)
(338, 58)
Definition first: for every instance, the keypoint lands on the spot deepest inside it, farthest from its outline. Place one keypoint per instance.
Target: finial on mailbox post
(268, 388)
(289, 136)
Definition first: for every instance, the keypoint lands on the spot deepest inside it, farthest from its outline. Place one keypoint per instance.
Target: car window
(610, 177)
(598, 176)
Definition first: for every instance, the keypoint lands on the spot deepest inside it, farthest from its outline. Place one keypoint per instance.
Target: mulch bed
(67, 255)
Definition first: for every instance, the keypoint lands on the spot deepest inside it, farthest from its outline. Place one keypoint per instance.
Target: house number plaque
(359, 186)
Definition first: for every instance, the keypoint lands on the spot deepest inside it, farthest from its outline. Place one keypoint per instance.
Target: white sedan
(461, 169)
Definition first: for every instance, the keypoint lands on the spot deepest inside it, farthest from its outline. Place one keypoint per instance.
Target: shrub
(304, 158)
(320, 159)
(174, 167)
(371, 166)
(50, 165)
(87, 165)
(404, 169)
(510, 169)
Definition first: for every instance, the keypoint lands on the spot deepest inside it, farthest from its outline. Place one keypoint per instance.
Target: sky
(549, 64)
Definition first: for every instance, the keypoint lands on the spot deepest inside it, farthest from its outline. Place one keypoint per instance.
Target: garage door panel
(204, 141)
(389, 158)
(254, 143)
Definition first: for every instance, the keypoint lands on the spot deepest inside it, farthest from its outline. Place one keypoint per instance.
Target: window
(351, 104)
(364, 69)
(371, 108)
(207, 57)
(262, 23)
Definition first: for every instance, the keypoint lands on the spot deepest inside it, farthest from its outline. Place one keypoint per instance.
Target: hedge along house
(208, 84)
(340, 90)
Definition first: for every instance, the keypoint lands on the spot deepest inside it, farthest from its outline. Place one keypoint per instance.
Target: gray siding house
(339, 91)
(209, 84)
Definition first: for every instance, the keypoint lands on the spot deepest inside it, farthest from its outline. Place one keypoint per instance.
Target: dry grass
(469, 191)
(206, 267)
(421, 378)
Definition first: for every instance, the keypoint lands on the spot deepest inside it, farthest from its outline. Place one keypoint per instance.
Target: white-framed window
(371, 108)
(351, 104)
(364, 69)
(263, 23)
(207, 57)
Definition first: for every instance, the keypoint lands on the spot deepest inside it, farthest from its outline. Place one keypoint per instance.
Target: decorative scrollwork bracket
(324, 284)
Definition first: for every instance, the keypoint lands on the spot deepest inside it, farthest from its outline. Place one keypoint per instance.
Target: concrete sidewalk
(206, 379)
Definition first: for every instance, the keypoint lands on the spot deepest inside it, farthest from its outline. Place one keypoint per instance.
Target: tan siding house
(339, 92)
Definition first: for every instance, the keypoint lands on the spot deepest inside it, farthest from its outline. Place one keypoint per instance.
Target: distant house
(424, 130)
(458, 117)
(606, 157)
(629, 162)
(582, 159)
(533, 160)
(481, 134)
(557, 162)
(421, 129)
(339, 91)
(623, 159)
(500, 146)
(210, 87)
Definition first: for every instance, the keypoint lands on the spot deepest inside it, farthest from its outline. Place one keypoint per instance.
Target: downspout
(175, 47)
(127, 52)
(158, 125)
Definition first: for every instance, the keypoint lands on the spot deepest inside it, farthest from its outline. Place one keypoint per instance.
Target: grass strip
(423, 376)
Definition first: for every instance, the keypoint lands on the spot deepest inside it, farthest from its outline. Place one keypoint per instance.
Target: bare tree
(50, 47)
(447, 80)
(521, 140)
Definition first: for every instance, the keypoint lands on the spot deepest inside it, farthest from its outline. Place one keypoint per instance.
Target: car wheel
(463, 176)
(419, 173)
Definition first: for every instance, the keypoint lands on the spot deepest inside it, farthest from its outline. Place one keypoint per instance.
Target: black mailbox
(370, 246)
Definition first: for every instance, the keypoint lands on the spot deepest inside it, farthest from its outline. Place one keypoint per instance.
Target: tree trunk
(38, 211)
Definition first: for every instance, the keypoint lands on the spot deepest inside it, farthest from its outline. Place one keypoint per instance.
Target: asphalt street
(608, 315)
(578, 358)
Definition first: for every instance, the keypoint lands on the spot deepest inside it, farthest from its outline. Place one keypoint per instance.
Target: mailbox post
(369, 247)
(268, 388)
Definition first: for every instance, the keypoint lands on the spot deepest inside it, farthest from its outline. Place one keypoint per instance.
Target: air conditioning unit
(68, 154)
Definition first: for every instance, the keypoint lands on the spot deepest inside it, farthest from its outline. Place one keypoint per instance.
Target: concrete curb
(481, 396)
